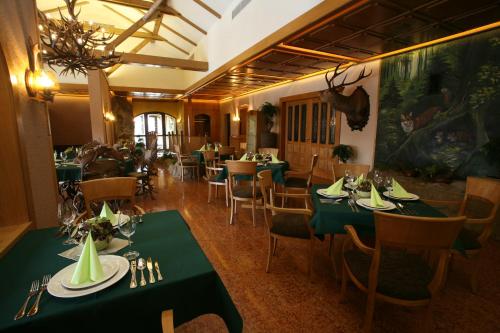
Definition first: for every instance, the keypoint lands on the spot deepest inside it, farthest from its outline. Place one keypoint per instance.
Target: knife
(149, 264)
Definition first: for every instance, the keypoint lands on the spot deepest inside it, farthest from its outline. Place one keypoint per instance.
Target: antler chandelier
(67, 44)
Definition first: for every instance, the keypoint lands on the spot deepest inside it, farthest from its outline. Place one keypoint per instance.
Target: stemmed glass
(64, 156)
(127, 223)
(377, 178)
(66, 215)
(388, 184)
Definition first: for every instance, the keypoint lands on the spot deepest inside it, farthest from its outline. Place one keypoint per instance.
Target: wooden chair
(211, 174)
(243, 193)
(116, 188)
(167, 321)
(480, 205)
(225, 151)
(273, 151)
(285, 222)
(186, 162)
(299, 180)
(338, 170)
(392, 271)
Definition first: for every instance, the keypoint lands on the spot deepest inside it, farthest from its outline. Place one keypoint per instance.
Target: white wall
(362, 141)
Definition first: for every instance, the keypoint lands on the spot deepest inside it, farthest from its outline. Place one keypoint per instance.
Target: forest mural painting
(439, 113)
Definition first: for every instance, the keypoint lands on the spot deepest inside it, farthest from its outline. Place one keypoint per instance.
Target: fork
(34, 309)
(33, 290)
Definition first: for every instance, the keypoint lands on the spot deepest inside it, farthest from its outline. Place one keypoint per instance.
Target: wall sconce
(109, 116)
(39, 84)
(236, 116)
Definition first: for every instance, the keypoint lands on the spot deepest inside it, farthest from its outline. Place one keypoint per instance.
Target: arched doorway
(159, 122)
(202, 125)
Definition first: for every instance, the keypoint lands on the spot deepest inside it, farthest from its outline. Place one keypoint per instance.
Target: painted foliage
(440, 109)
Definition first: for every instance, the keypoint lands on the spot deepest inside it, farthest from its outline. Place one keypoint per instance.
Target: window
(161, 123)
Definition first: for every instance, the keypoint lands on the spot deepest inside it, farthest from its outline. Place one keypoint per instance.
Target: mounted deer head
(356, 107)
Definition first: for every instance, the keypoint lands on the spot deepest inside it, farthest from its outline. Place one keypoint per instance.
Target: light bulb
(40, 27)
(79, 41)
(53, 35)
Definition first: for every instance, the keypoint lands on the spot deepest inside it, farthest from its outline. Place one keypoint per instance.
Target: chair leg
(343, 287)
(370, 308)
(227, 195)
(253, 212)
(269, 253)
(235, 206)
(428, 318)
(275, 246)
(182, 174)
(233, 210)
(209, 192)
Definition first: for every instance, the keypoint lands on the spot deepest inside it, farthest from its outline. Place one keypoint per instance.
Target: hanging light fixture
(67, 44)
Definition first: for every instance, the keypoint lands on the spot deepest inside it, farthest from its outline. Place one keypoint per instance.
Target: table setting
(167, 269)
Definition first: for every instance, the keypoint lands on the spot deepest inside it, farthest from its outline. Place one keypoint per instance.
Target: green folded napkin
(216, 148)
(244, 157)
(88, 268)
(274, 159)
(360, 179)
(375, 199)
(203, 148)
(107, 213)
(336, 188)
(398, 191)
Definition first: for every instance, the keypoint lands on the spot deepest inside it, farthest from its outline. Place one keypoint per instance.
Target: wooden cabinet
(254, 127)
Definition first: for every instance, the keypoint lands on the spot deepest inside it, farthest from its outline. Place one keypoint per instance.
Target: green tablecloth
(69, 172)
(191, 286)
(278, 170)
(198, 154)
(331, 218)
(128, 166)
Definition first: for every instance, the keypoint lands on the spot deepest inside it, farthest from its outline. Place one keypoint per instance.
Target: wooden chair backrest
(116, 188)
(273, 151)
(225, 150)
(177, 149)
(314, 161)
(338, 170)
(487, 188)
(246, 168)
(209, 156)
(430, 235)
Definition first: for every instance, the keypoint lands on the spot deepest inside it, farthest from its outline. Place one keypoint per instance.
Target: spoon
(133, 281)
(141, 265)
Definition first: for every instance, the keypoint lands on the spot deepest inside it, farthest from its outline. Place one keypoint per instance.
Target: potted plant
(267, 138)
(343, 152)
(101, 229)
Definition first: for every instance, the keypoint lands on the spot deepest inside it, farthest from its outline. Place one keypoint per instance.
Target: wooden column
(188, 120)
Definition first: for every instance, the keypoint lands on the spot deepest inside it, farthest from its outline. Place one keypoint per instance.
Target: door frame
(282, 104)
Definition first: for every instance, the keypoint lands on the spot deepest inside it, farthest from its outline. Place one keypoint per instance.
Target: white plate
(413, 197)
(365, 203)
(55, 288)
(322, 192)
(109, 268)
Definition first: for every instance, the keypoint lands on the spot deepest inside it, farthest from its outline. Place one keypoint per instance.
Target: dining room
(250, 165)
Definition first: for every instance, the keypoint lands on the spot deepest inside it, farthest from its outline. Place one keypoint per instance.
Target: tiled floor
(284, 300)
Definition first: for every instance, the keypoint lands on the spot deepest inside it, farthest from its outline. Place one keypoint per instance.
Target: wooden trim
(145, 59)
(127, 33)
(208, 8)
(312, 53)
(302, 21)
(63, 87)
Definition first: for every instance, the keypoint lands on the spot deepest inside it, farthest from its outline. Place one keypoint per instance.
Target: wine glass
(66, 215)
(377, 178)
(127, 224)
(388, 184)
(64, 156)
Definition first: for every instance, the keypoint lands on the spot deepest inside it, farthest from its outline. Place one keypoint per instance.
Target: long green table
(277, 169)
(191, 286)
(331, 218)
(73, 172)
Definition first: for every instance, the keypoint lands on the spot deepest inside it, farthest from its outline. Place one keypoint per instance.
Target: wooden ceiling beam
(136, 49)
(188, 21)
(175, 32)
(64, 8)
(126, 18)
(134, 27)
(143, 59)
(141, 4)
(83, 88)
(208, 8)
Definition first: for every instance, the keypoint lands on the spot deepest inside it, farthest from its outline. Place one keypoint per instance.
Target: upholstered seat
(401, 275)
(245, 192)
(290, 225)
(296, 182)
(469, 239)
(215, 178)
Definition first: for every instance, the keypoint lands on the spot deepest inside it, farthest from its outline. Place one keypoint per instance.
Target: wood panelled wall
(70, 120)
(209, 108)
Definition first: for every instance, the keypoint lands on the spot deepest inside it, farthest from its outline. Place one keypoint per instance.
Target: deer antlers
(336, 73)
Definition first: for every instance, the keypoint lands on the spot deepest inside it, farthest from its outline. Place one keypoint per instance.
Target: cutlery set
(141, 265)
(35, 289)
